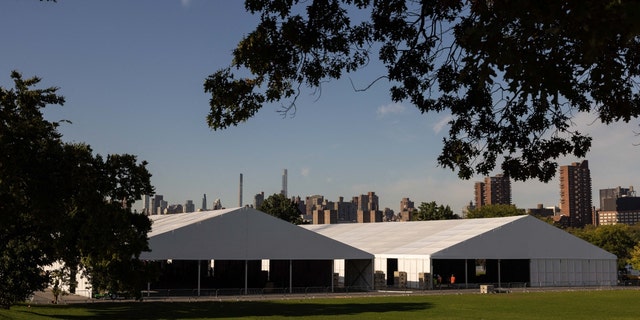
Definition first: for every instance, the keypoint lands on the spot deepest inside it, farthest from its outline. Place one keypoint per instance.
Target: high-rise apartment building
(494, 190)
(258, 199)
(217, 205)
(367, 201)
(147, 204)
(346, 211)
(327, 216)
(497, 189)
(368, 209)
(478, 194)
(406, 209)
(575, 193)
(609, 197)
(189, 206)
(302, 207)
(618, 205)
(157, 204)
(313, 203)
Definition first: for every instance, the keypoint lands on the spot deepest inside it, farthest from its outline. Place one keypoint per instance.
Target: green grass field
(597, 304)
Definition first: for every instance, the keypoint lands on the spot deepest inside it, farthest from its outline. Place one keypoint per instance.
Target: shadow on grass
(224, 309)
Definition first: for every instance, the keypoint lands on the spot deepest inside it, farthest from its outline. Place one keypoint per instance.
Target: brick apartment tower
(494, 190)
(575, 193)
(368, 209)
(407, 207)
(478, 188)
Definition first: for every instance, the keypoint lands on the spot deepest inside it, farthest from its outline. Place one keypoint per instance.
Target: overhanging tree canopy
(512, 74)
(60, 202)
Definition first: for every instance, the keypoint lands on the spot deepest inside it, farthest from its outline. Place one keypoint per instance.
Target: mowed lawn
(596, 304)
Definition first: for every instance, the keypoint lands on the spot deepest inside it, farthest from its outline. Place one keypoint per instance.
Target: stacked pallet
(336, 279)
(400, 279)
(424, 280)
(379, 281)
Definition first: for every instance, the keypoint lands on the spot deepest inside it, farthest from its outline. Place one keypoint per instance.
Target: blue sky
(133, 71)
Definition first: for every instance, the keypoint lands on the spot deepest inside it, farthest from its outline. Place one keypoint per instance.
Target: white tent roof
(239, 234)
(519, 237)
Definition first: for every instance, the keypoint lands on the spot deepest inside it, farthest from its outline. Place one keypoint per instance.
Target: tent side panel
(359, 274)
(534, 271)
(338, 267)
(573, 272)
(413, 267)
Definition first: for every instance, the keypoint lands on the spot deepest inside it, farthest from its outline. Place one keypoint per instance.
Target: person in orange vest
(453, 280)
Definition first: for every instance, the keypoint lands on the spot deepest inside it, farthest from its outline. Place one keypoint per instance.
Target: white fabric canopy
(519, 237)
(239, 234)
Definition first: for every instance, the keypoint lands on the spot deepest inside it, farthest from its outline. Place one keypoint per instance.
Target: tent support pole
(431, 286)
(373, 272)
(466, 273)
(246, 275)
(332, 271)
(499, 284)
(198, 278)
(290, 276)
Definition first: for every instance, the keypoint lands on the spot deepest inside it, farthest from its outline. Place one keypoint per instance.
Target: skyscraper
(575, 193)
(204, 203)
(147, 204)
(240, 192)
(284, 183)
(158, 204)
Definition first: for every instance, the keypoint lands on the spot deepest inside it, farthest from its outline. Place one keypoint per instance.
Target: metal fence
(316, 291)
(221, 292)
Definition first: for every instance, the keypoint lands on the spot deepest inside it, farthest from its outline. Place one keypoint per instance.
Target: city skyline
(136, 87)
(505, 186)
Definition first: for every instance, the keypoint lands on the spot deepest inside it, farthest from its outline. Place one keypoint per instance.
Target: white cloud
(185, 3)
(394, 108)
(441, 124)
(305, 171)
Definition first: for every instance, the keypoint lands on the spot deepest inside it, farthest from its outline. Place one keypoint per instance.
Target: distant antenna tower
(284, 183)
(240, 193)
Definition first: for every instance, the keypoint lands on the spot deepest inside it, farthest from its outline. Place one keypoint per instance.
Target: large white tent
(552, 256)
(244, 234)
(239, 234)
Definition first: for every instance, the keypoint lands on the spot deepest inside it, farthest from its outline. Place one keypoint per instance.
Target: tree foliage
(59, 201)
(279, 206)
(104, 231)
(28, 202)
(433, 211)
(619, 239)
(634, 258)
(494, 211)
(512, 75)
